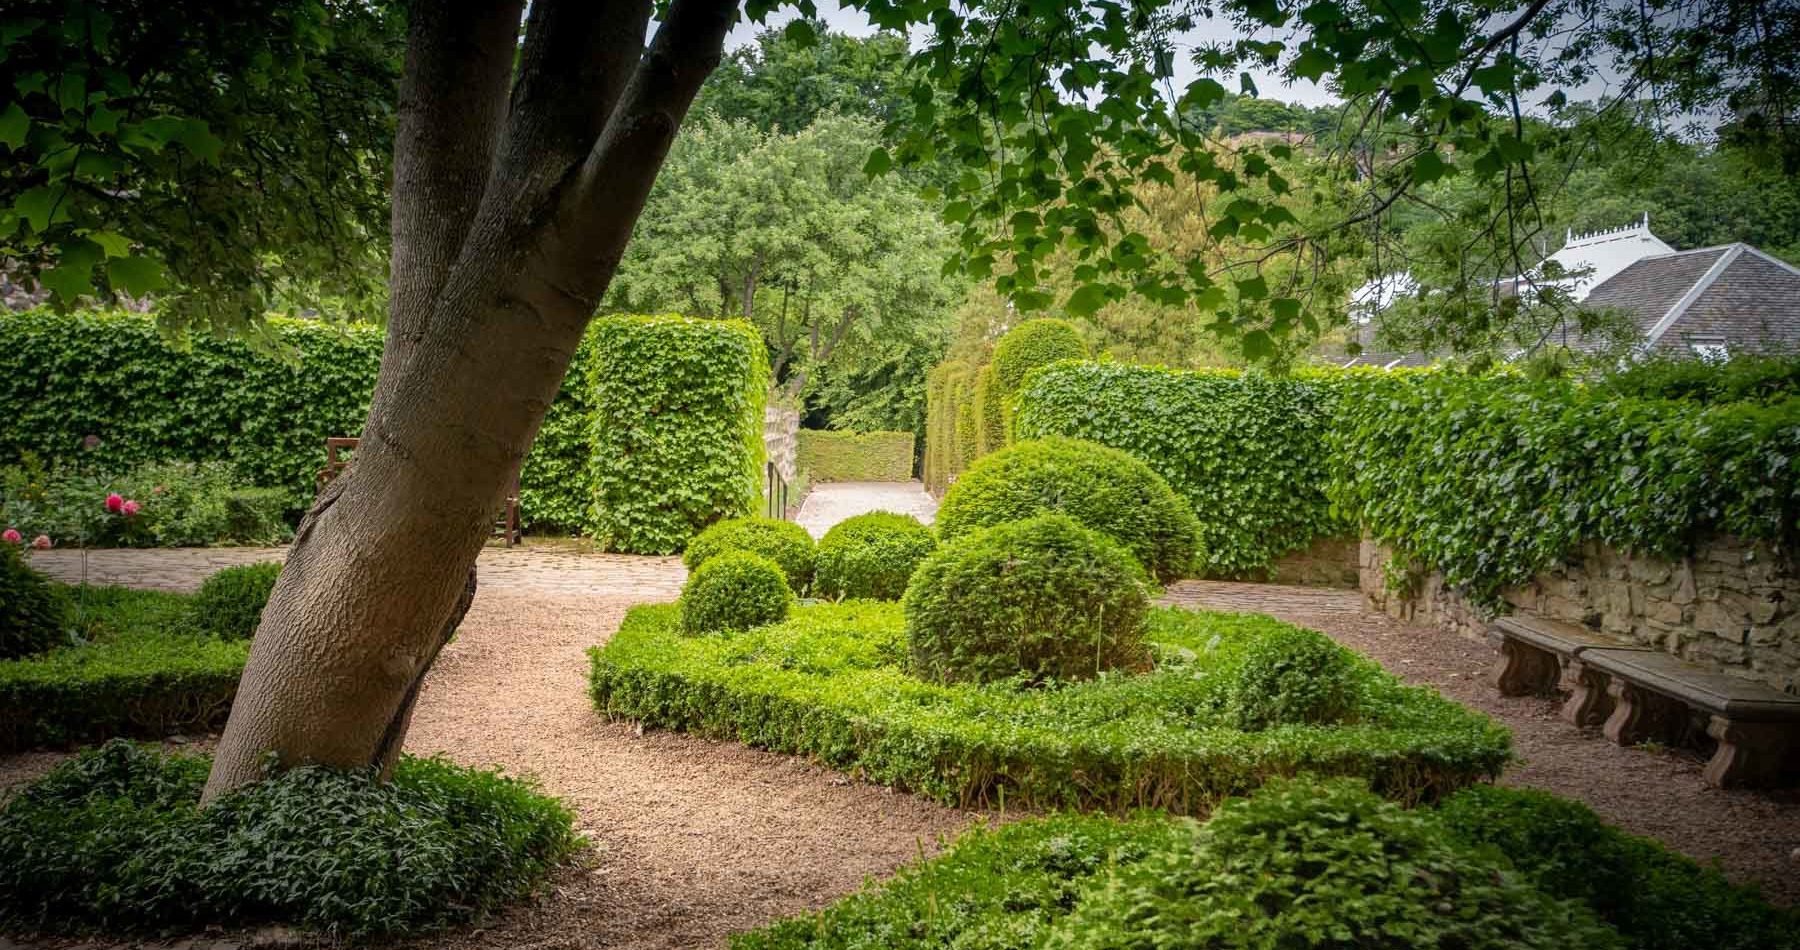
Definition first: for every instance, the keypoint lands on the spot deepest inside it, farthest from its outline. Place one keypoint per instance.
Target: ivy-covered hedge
(1247, 451)
(1492, 480)
(113, 376)
(267, 412)
(831, 682)
(676, 416)
(834, 456)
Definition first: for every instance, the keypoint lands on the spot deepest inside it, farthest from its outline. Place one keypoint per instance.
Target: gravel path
(831, 502)
(697, 839)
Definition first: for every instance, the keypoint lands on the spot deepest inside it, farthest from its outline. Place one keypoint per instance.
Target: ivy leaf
(136, 275)
(14, 125)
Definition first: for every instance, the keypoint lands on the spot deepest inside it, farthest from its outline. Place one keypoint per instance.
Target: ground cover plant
(1299, 864)
(871, 555)
(133, 663)
(112, 840)
(832, 682)
(1101, 487)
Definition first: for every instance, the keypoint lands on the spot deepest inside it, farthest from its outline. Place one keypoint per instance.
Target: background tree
(790, 77)
(839, 272)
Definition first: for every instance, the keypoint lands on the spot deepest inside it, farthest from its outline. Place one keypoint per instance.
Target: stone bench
(1652, 692)
(1539, 657)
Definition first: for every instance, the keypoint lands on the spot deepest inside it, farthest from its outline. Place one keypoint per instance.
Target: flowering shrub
(11, 536)
(173, 504)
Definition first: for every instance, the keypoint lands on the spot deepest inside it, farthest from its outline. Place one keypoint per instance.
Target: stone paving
(543, 567)
(831, 502)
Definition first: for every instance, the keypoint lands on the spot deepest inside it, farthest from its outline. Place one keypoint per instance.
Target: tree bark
(382, 566)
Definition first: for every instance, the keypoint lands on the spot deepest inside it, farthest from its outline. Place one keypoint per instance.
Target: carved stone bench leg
(1588, 703)
(1524, 670)
(1639, 714)
(1749, 753)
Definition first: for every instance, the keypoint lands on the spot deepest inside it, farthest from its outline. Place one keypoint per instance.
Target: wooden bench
(1539, 657)
(1652, 692)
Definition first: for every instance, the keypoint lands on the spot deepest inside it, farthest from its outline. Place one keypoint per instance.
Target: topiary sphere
(736, 590)
(1293, 676)
(34, 615)
(1101, 487)
(1044, 598)
(230, 603)
(871, 556)
(1032, 344)
(783, 542)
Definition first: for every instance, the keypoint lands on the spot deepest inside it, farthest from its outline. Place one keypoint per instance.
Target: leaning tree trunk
(515, 193)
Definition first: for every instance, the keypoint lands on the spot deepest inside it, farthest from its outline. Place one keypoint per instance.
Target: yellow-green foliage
(676, 427)
(835, 456)
(1032, 344)
(990, 412)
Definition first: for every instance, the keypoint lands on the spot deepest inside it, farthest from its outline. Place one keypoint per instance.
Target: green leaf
(1428, 167)
(14, 125)
(198, 139)
(1086, 299)
(1256, 288)
(68, 282)
(43, 206)
(136, 275)
(1258, 345)
(800, 33)
(112, 244)
(879, 160)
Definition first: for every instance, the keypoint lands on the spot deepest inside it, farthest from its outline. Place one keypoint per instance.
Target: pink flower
(11, 536)
(41, 542)
(130, 508)
(115, 503)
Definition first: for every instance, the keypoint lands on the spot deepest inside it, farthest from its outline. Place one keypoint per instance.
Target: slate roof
(1734, 295)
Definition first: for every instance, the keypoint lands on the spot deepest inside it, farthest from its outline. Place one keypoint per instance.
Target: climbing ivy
(1491, 480)
(676, 414)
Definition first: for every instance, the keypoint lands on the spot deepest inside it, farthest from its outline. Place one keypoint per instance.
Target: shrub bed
(1299, 864)
(34, 614)
(871, 556)
(1103, 488)
(173, 504)
(1041, 600)
(832, 682)
(676, 416)
(833, 456)
(112, 840)
(138, 670)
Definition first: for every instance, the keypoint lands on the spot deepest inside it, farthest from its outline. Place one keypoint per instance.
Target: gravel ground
(831, 502)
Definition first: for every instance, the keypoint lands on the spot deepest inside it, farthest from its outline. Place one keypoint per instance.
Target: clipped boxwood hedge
(113, 839)
(142, 672)
(229, 604)
(784, 542)
(676, 415)
(1103, 488)
(831, 682)
(829, 455)
(736, 590)
(34, 614)
(1032, 344)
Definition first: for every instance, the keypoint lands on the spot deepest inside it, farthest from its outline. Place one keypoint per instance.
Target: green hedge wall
(1487, 479)
(1493, 480)
(1248, 452)
(676, 415)
(833, 456)
(113, 376)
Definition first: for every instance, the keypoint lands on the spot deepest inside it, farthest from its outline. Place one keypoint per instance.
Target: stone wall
(1731, 606)
(1327, 562)
(781, 428)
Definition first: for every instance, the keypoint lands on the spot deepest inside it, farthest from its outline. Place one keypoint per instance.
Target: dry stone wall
(1731, 605)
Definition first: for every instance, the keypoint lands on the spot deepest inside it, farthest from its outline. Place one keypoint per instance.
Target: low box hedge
(140, 671)
(831, 682)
